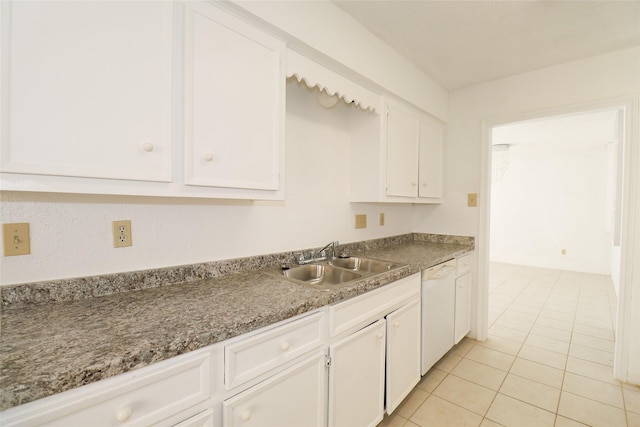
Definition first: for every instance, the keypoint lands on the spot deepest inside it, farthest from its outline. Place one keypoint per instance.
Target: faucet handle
(299, 257)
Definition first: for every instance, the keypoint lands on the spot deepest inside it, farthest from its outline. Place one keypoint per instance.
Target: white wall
(559, 181)
(321, 25)
(541, 92)
(589, 80)
(71, 234)
(552, 197)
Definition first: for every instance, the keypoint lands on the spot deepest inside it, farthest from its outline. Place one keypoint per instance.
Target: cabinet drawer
(248, 358)
(464, 264)
(295, 397)
(137, 398)
(203, 419)
(358, 311)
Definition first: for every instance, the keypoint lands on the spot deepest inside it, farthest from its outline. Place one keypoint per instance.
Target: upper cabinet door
(87, 89)
(234, 102)
(403, 130)
(431, 158)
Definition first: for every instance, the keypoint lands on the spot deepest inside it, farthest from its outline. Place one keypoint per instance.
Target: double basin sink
(337, 273)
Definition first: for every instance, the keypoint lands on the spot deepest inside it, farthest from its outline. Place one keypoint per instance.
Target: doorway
(553, 192)
(621, 202)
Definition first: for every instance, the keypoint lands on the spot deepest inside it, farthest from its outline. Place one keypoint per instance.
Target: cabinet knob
(414, 183)
(380, 335)
(147, 146)
(208, 157)
(245, 416)
(284, 346)
(396, 324)
(424, 184)
(123, 414)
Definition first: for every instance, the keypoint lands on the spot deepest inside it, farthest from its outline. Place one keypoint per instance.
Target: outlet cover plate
(122, 234)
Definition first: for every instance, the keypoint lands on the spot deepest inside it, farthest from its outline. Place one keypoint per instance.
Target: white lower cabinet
(295, 397)
(142, 397)
(462, 322)
(298, 373)
(356, 378)
(403, 353)
(464, 282)
(387, 347)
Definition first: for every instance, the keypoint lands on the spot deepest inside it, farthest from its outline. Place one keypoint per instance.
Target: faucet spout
(332, 245)
(316, 255)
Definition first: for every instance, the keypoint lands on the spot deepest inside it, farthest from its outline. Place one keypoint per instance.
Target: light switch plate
(381, 218)
(361, 221)
(15, 239)
(472, 200)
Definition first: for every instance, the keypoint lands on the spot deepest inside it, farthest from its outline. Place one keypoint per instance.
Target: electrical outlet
(381, 222)
(122, 234)
(472, 200)
(361, 221)
(15, 239)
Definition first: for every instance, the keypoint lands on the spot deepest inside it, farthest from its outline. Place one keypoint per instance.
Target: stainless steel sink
(367, 265)
(320, 275)
(337, 272)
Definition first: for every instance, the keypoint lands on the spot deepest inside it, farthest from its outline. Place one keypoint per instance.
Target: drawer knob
(245, 416)
(396, 324)
(424, 184)
(284, 346)
(208, 157)
(123, 414)
(148, 147)
(380, 335)
(413, 183)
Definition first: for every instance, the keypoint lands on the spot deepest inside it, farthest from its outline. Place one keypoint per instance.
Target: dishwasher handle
(438, 272)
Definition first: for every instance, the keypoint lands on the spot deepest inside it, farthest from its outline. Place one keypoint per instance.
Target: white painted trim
(626, 366)
(484, 206)
(627, 346)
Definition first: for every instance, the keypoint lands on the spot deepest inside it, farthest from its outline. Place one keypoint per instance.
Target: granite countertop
(50, 348)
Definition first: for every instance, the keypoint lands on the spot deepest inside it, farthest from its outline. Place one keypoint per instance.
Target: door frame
(627, 343)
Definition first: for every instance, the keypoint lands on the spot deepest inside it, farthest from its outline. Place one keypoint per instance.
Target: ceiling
(461, 43)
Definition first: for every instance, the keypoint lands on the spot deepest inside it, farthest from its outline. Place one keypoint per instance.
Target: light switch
(15, 238)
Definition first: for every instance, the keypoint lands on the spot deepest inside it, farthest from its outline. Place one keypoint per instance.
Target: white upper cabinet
(234, 102)
(397, 158)
(154, 98)
(431, 158)
(87, 89)
(403, 135)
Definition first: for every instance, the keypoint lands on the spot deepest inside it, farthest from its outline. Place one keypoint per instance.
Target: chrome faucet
(317, 255)
(333, 246)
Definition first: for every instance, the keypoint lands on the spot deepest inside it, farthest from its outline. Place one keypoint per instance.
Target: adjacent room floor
(547, 362)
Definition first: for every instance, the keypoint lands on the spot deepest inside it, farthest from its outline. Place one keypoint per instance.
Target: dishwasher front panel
(438, 312)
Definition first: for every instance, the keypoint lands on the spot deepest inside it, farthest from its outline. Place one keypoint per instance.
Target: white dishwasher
(438, 311)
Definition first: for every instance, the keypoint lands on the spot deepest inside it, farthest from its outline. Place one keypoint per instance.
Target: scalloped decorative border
(345, 97)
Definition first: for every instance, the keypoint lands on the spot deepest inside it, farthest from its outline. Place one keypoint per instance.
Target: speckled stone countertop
(47, 348)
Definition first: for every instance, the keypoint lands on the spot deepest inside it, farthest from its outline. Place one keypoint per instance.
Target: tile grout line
(584, 289)
(514, 358)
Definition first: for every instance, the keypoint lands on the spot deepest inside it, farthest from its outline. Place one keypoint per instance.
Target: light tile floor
(547, 362)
